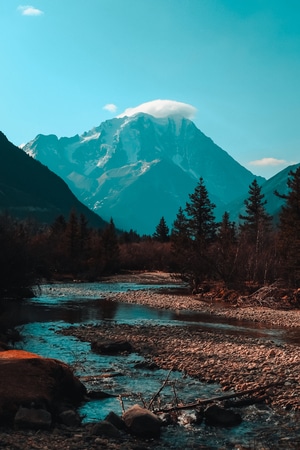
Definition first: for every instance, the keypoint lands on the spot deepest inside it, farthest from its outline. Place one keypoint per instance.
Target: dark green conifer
(162, 232)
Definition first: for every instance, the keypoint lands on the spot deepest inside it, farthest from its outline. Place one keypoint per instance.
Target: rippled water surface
(57, 306)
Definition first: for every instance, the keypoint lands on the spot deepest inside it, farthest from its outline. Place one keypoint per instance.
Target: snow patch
(90, 137)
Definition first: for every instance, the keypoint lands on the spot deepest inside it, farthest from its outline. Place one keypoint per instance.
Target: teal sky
(67, 65)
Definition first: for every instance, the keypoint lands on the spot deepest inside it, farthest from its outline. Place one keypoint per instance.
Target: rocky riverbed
(237, 362)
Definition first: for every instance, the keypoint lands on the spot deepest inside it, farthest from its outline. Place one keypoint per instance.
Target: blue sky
(67, 65)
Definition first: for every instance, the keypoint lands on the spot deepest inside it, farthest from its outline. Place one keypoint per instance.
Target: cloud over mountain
(162, 108)
(111, 107)
(269, 162)
(27, 10)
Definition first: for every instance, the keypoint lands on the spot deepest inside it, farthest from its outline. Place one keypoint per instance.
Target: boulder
(30, 381)
(116, 420)
(98, 395)
(105, 428)
(33, 418)
(142, 423)
(111, 347)
(217, 416)
(70, 418)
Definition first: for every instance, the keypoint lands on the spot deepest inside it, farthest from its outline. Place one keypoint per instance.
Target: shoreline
(236, 363)
(250, 362)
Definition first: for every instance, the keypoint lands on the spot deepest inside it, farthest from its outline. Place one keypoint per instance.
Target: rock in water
(34, 382)
(142, 422)
(217, 416)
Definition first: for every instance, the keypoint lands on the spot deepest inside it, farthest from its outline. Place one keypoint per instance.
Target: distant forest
(197, 248)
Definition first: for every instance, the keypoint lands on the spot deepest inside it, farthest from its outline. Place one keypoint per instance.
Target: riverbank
(236, 362)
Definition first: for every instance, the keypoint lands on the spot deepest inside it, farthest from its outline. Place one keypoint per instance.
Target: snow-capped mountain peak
(137, 168)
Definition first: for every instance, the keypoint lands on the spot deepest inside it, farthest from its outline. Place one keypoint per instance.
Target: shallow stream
(57, 306)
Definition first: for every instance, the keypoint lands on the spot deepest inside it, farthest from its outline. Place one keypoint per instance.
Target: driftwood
(160, 389)
(245, 401)
(204, 402)
(100, 377)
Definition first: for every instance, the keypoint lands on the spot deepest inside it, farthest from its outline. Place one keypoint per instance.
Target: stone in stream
(116, 420)
(142, 423)
(217, 416)
(111, 347)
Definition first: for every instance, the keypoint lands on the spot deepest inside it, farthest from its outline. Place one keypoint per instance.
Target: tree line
(197, 248)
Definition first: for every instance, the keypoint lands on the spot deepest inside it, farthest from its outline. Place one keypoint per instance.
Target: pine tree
(84, 234)
(255, 233)
(226, 249)
(180, 242)
(256, 220)
(201, 227)
(111, 248)
(180, 234)
(201, 220)
(289, 229)
(72, 236)
(162, 231)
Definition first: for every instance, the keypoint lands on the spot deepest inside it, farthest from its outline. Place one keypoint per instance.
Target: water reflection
(86, 303)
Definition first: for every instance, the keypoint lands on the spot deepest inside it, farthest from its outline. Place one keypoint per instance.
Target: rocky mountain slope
(29, 189)
(137, 169)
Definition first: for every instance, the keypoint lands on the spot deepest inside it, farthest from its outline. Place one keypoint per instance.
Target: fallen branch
(219, 398)
(99, 377)
(160, 389)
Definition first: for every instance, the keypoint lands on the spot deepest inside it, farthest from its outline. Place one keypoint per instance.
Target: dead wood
(160, 389)
(204, 402)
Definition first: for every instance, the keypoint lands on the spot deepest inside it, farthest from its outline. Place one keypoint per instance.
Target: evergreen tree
(59, 225)
(255, 233)
(289, 229)
(111, 250)
(72, 236)
(226, 249)
(201, 228)
(256, 219)
(201, 221)
(83, 234)
(180, 234)
(162, 231)
(180, 242)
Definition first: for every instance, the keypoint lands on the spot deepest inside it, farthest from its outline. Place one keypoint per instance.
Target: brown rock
(217, 416)
(142, 422)
(33, 418)
(28, 380)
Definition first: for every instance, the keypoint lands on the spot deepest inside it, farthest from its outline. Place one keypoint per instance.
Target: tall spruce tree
(255, 232)
(180, 242)
(201, 220)
(110, 246)
(162, 232)
(226, 249)
(202, 228)
(256, 220)
(289, 230)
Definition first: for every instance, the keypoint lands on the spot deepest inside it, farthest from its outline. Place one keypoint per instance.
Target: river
(57, 306)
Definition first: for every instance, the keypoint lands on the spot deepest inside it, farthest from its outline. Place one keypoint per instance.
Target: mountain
(29, 189)
(137, 169)
(274, 203)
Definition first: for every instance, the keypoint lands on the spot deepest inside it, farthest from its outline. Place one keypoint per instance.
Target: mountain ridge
(30, 189)
(121, 160)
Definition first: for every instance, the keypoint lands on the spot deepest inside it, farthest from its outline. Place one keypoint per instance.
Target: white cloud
(162, 108)
(27, 10)
(267, 162)
(110, 107)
